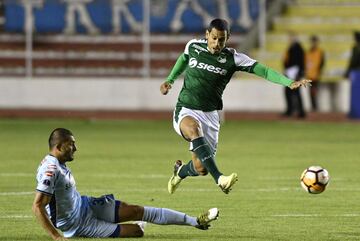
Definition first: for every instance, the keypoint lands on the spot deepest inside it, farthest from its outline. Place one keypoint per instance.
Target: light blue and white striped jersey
(56, 180)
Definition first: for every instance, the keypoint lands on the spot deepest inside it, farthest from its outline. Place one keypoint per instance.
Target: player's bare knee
(191, 129)
(139, 211)
(195, 130)
(128, 212)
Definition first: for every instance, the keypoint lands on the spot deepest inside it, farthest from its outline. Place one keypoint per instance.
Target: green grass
(133, 160)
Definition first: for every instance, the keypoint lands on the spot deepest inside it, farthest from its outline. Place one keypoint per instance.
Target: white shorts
(99, 218)
(209, 123)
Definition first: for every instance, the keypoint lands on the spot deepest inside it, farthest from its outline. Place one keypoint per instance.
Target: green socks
(206, 156)
(188, 170)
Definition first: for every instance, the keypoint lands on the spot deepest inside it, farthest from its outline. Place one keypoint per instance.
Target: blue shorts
(99, 218)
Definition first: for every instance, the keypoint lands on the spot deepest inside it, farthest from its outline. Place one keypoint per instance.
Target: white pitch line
(161, 189)
(296, 215)
(161, 176)
(293, 179)
(283, 189)
(196, 189)
(141, 176)
(19, 216)
(15, 216)
(349, 215)
(19, 174)
(147, 190)
(316, 215)
(15, 193)
(142, 190)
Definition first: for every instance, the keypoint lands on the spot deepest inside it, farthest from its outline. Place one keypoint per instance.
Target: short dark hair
(219, 24)
(59, 135)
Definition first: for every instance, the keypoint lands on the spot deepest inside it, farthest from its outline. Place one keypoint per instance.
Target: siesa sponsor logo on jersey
(211, 68)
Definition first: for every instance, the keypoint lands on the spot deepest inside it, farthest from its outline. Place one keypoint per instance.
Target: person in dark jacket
(294, 67)
(354, 63)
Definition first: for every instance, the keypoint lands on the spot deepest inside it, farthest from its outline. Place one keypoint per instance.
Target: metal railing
(143, 35)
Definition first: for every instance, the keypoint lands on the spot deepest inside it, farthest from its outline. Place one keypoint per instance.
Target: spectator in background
(315, 60)
(354, 63)
(294, 66)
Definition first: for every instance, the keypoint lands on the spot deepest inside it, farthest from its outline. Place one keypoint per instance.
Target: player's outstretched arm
(40, 202)
(275, 77)
(297, 84)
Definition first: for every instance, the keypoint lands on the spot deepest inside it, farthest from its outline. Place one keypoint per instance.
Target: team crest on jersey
(71, 181)
(46, 182)
(222, 59)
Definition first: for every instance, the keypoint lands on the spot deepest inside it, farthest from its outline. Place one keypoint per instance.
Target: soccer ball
(314, 179)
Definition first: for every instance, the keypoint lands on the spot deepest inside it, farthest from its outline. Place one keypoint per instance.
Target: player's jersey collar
(207, 47)
(53, 157)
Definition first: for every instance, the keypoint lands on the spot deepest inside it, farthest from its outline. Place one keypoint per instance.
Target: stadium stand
(81, 54)
(334, 23)
(115, 60)
(86, 55)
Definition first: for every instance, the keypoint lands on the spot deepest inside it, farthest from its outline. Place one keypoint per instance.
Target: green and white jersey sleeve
(242, 61)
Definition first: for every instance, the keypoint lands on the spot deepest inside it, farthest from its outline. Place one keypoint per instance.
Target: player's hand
(164, 88)
(303, 82)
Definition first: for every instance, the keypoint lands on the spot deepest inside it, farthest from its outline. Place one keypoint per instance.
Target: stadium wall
(139, 94)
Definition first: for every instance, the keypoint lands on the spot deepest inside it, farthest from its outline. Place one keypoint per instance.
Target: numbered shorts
(100, 217)
(208, 121)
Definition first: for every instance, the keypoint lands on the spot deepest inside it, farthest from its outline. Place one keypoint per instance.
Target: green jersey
(207, 74)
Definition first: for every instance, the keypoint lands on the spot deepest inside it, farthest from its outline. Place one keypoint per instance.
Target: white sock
(165, 216)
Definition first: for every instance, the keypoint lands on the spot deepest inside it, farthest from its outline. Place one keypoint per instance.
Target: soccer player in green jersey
(209, 66)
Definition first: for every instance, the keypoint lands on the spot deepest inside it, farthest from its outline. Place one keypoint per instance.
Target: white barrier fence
(140, 94)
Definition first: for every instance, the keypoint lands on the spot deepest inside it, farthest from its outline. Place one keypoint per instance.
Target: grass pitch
(134, 159)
